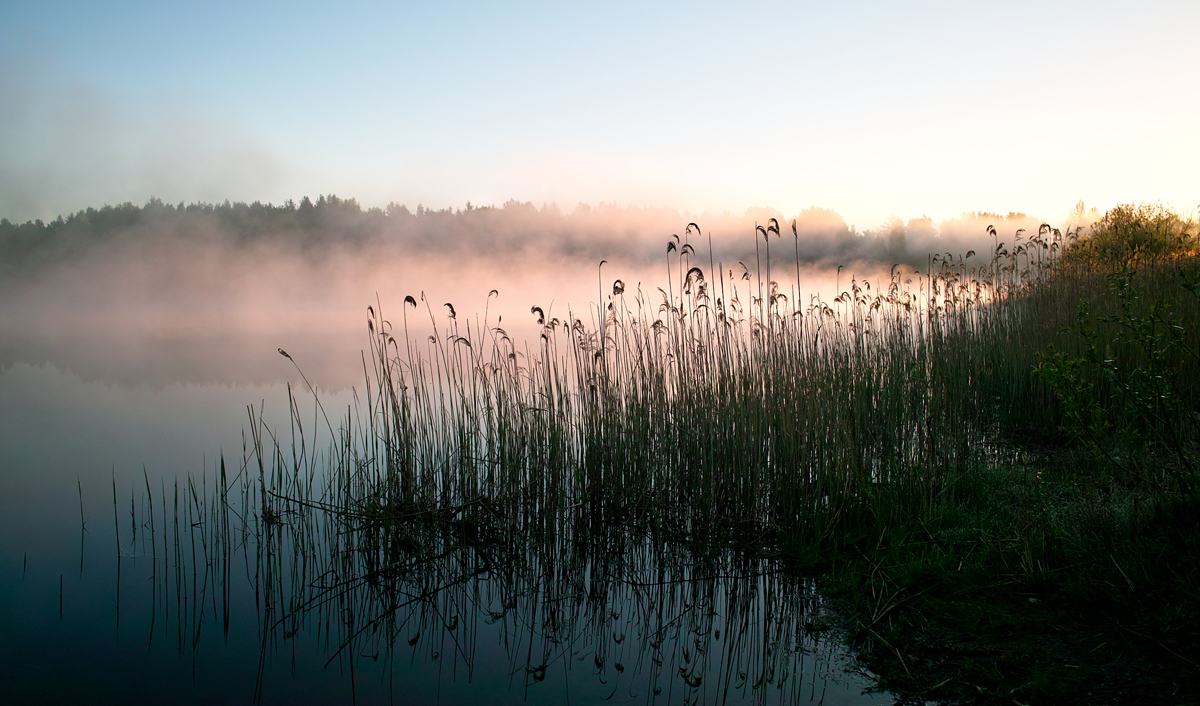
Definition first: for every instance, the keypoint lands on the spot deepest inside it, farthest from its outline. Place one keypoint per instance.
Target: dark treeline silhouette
(631, 234)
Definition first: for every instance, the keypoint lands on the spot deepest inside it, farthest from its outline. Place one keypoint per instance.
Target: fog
(199, 293)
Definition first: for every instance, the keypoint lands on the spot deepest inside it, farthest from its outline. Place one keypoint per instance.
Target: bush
(1134, 232)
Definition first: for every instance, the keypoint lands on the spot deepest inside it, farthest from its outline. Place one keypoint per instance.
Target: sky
(872, 109)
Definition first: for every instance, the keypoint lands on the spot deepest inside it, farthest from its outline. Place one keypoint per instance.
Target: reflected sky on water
(110, 381)
(64, 436)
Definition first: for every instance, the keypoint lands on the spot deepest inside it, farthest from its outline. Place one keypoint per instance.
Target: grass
(1051, 587)
(720, 405)
(1070, 576)
(996, 503)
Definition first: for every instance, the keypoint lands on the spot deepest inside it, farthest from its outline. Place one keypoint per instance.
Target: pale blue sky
(869, 108)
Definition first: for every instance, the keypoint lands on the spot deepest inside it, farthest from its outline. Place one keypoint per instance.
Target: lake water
(118, 380)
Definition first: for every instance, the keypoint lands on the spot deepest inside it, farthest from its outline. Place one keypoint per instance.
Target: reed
(721, 425)
(721, 406)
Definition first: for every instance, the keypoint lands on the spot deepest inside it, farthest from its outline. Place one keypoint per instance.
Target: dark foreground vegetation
(1067, 570)
(989, 465)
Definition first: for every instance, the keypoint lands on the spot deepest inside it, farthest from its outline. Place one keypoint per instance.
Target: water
(148, 385)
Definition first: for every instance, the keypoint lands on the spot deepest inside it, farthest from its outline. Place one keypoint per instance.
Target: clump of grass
(724, 407)
(720, 405)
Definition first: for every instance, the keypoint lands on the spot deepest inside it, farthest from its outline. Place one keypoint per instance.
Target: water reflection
(192, 594)
(439, 603)
(188, 594)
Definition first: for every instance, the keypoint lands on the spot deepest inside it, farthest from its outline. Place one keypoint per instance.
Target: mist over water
(207, 294)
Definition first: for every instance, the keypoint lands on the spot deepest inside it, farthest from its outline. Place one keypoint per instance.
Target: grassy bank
(1058, 583)
(1070, 574)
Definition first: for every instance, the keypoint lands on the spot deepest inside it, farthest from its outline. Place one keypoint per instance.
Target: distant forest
(631, 234)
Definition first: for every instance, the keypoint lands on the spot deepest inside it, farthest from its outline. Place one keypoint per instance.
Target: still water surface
(98, 608)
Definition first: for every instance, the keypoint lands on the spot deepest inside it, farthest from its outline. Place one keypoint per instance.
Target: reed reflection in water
(411, 602)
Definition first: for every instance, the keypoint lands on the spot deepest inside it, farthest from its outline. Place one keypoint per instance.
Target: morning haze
(205, 293)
